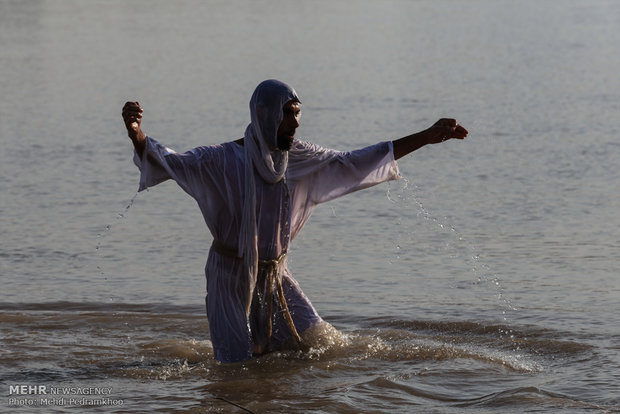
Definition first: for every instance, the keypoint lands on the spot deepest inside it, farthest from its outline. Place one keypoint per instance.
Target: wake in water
(394, 342)
(401, 360)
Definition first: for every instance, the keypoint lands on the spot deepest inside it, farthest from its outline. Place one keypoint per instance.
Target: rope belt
(272, 278)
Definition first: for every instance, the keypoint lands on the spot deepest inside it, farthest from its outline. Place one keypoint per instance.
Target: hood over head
(266, 105)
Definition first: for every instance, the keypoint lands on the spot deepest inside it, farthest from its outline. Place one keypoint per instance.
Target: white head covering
(262, 155)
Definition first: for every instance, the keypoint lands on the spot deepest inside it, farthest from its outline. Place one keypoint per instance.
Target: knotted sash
(273, 278)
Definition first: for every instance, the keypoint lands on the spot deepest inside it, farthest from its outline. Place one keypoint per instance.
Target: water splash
(456, 245)
(190, 350)
(334, 348)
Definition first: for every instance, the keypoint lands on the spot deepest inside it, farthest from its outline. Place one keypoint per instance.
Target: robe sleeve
(159, 163)
(351, 171)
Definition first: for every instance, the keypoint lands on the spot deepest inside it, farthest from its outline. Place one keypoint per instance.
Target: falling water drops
(457, 246)
(107, 229)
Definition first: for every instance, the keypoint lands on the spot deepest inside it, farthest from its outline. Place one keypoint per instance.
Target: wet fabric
(214, 177)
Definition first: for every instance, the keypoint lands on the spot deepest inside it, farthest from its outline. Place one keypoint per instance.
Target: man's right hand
(132, 116)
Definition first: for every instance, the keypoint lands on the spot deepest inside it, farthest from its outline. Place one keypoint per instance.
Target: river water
(486, 280)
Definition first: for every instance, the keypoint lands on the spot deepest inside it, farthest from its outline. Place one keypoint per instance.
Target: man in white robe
(255, 195)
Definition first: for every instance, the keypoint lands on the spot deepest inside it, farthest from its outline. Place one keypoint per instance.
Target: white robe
(214, 177)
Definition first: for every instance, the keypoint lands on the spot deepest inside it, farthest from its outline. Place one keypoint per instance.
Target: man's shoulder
(305, 147)
(305, 157)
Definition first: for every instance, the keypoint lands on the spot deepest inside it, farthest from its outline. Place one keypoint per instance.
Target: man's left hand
(445, 129)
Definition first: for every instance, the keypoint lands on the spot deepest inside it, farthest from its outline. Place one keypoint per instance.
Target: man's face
(290, 122)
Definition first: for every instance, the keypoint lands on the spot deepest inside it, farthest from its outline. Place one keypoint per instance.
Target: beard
(284, 143)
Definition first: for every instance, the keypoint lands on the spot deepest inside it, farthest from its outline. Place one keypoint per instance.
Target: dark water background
(487, 280)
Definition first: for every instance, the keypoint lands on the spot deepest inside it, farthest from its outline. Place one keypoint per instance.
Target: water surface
(485, 280)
